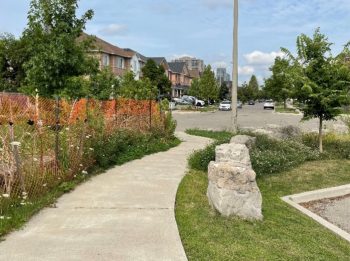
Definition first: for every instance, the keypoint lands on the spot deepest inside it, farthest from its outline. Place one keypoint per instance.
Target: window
(119, 62)
(105, 60)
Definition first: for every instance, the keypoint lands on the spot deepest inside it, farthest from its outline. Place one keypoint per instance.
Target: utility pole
(234, 68)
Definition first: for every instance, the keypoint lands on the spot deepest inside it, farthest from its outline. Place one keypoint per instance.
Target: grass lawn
(284, 234)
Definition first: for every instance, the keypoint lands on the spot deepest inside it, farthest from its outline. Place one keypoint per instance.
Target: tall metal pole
(235, 68)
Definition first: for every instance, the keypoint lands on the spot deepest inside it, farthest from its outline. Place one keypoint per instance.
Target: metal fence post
(57, 130)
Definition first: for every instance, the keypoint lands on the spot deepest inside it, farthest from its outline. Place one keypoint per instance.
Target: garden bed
(285, 233)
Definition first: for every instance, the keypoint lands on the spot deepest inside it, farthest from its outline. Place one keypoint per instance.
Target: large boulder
(233, 152)
(233, 190)
(249, 141)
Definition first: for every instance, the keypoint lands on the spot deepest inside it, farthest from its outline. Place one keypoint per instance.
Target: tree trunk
(285, 104)
(320, 141)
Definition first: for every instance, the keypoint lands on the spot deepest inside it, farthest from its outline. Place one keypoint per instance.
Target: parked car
(269, 104)
(251, 102)
(192, 100)
(225, 106)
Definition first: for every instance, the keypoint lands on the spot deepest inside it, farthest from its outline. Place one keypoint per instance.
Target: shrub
(201, 159)
(335, 146)
(272, 156)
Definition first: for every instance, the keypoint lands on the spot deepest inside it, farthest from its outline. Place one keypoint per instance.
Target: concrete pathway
(125, 214)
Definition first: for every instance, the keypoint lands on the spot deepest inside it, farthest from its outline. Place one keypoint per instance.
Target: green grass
(285, 233)
(222, 136)
(20, 214)
(281, 109)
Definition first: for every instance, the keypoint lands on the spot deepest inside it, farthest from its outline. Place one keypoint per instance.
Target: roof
(158, 60)
(139, 56)
(177, 67)
(106, 47)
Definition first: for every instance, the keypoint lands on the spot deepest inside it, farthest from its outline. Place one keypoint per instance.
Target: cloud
(114, 29)
(261, 58)
(246, 70)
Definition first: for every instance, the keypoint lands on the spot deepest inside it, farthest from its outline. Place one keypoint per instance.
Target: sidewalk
(125, 214)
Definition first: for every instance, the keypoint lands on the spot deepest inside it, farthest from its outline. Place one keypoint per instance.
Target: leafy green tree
(104, 85)
(280, 85)
(195, 89)
(156, 74)
(321, 81)
(52, 33)
(224, 91)
(133, 89)
(242, 93)
(252, 90)
(206, 87)
(13, 54)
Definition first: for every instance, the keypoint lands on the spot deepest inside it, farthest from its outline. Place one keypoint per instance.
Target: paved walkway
(125, 214)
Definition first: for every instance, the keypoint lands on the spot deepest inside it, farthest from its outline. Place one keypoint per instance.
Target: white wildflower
(84, 172)
(67, 129)
(92, 149)
(80, 165)
(35, 159)
(2, 217)
(6, 195)
(44, 185)
(15, 143)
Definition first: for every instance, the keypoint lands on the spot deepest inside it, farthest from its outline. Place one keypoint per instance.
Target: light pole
(234, 68)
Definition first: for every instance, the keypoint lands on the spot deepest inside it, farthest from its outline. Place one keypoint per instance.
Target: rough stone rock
(233, 152)
(244, 139)
(264, 132)
(233, 190)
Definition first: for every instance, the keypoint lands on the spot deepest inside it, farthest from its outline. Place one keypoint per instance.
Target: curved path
(125, 214)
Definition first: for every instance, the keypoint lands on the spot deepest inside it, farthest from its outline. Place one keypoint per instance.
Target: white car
(269, 104)
(225, 106)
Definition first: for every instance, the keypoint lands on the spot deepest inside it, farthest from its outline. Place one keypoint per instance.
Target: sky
(203, 28)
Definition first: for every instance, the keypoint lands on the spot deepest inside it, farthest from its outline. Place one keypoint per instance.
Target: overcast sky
(203, 28)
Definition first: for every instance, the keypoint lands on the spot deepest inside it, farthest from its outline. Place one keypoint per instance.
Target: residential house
(136, 63)
(111, 56)
(180, 77)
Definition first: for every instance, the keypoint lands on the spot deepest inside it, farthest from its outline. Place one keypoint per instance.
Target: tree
(139, 90)
(104, 85)
(252, 90)
(242, 93)
(280, 85)
(13, 54)
(321, 81)
(156, 74)
(52, 33)
(224, 91)
(206, 87)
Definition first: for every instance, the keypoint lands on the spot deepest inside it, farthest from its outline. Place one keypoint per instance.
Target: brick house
(180, 77)
(109, 55)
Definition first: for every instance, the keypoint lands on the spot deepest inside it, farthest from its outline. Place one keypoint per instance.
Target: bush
(272, 156)
(201, 159)
(335, 146)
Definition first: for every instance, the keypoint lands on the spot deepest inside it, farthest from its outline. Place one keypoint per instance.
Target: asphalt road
(249, 116)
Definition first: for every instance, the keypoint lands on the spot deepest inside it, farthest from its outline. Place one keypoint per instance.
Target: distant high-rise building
(193, 64)
(222, 75)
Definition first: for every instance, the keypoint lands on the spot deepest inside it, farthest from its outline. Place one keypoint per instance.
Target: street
(249, 116)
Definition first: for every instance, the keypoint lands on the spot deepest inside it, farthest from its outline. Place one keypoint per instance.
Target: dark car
(251, 102)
